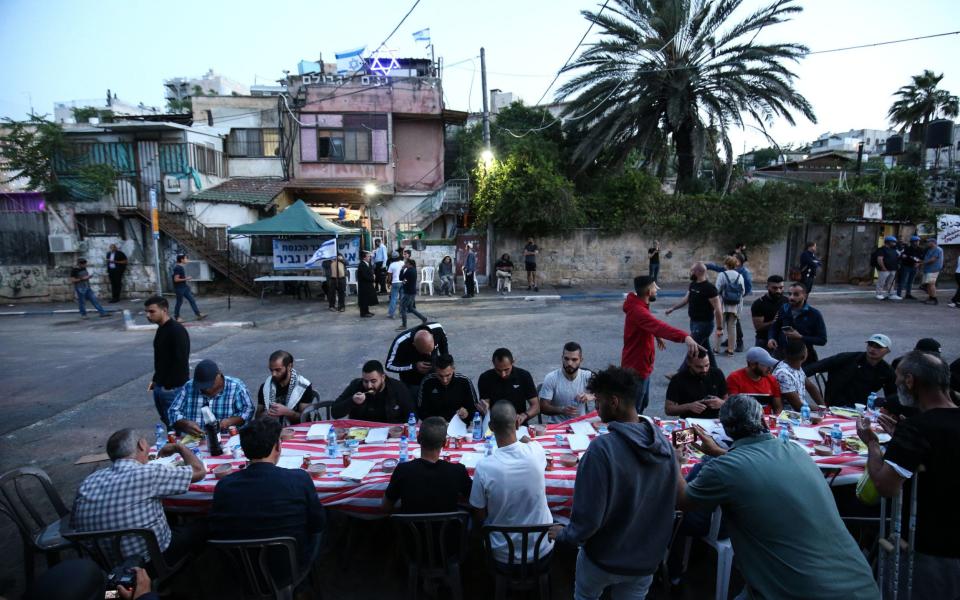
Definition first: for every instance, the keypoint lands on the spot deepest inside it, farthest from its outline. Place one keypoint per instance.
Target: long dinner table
(363, 498)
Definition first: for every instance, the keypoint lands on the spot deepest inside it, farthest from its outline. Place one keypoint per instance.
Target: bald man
(414, 352)
(703, 307)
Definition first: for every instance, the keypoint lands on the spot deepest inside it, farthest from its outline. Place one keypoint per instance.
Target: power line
(913, 39)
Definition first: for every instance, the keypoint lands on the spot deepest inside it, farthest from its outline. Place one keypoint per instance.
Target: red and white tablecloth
(364, 498)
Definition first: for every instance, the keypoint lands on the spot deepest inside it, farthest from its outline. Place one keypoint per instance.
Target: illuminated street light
(370, 189)
(487, 157)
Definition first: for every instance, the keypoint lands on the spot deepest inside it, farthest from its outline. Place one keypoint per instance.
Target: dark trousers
(408, 304)
(116, 283)
(470, 282)
(808, 283)
(702, 333)
(380, 278)
(654, 270)
(956, 295)
(185, 539)
(905, 280)
(337, 293)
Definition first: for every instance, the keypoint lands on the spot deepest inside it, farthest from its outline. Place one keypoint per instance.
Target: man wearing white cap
(755, 380)
(852, 376)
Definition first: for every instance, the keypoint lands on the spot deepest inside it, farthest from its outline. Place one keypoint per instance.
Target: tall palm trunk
(683, 137)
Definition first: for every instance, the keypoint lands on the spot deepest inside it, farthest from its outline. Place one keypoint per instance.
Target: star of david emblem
(383, 62)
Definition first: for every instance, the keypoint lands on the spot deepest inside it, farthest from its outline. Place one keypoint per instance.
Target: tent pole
(229, 280)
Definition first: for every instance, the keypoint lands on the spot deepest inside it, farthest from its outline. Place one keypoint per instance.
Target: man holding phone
(797, 320)
(698, 390)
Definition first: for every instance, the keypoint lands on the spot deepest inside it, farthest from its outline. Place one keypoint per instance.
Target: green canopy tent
(296, 220)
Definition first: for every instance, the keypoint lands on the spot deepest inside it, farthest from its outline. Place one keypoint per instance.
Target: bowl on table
(287, 433)
(395, 432)
(566, 459)
(821, 450)
(388, 465)
(538, 430)
(221, 471)
(317, 470)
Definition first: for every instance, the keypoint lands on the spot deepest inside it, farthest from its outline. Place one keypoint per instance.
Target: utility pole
(486, 146)
(155, 228)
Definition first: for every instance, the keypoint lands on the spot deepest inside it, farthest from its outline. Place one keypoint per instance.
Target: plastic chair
(426, 278)
(504, 284)
(527, 574)
(352, 280)
(424, 539)
(39, 534)
(476, 286)
(252, 559)
(318, 411)
(724, 551)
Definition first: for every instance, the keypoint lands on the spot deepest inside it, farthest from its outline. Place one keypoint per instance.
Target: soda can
(346, 457)
(233, 430)
(306, 463)
(549, 462)
(171, 437)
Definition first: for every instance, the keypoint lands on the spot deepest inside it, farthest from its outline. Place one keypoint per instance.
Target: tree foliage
(922, 101)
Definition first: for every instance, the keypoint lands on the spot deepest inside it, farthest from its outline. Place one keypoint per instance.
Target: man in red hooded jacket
(640, 329)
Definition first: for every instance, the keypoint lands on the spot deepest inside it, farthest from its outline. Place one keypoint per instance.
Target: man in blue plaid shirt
(129, 495)
(226, 396)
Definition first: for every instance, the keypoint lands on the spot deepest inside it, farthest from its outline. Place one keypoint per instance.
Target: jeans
(591, 581)
(83, 296)
(643, 394)
(184, 292)
(446, 285)
(701, 332)
(885, 281)
(162, 399)
(905, 280)
(394, 298)
(654, 270)
(408, 304)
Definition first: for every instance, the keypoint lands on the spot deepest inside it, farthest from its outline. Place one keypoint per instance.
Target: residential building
(819, 168)
(109, 106)
(210, 84)
(848, 142)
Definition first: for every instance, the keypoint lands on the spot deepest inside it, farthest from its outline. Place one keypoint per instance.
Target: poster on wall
(290, 255)
(948, 230)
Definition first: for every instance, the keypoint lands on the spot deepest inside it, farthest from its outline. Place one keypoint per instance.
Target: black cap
(205, 374)
(928, 345)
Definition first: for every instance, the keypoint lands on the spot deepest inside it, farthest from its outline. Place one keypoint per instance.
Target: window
(343, 145)
(99, 225)
(261, 245)
(253, 143)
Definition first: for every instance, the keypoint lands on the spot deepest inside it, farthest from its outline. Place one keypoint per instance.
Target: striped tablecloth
(364, 498)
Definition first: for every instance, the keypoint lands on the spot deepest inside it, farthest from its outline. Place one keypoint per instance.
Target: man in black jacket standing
(414, 353)
(116, 267)
(171, 355)
(366, 285)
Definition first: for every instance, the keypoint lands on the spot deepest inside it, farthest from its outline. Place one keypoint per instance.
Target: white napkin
(357, 470)
(457, 428)
(583, 428)
(377, 435)
(318, 431)
(471, 459)
(290, 462)
(578, 441)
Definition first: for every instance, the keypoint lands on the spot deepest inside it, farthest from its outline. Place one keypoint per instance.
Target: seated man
(509, 486)
(129, 494)
(446, 393)
(374, 397)
(506, 382)
(755, 380)
(563, 394)
(413, 353)
(739, 480)
(226, 396)
(504, 270)
(428, 484)
(288, 392)
(264, 500)
(697, 391)
(792, 380)
(852, 376)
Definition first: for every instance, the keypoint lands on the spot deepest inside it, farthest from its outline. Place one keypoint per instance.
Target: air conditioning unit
(171, 185)
(198, 270)
(62, 242)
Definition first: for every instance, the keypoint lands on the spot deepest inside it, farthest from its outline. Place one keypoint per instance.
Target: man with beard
(755, 380)
(640, 330)
(171, 355)
(286, 393)
(446, 393)
(764, 309)
(374, 397)
(563, 394)
(699, 390)
(797, 320)
(852, 376)
(703, 307)
(928, 439)
(366, 285)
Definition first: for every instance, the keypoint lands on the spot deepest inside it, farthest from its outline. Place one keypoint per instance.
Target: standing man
(80, 278)
(809, 265)
(797, 320)
(415, 353)
(171, 355)
(932, 265)
(396, 284)
(116, 266)
(640, 330)
(285, 393)
(887, 263)
(530, 252)
(910, 259)
(623, 505)
(337, 284)
(955, 301)
(564, 394)
(380, 265)
(408, 299)
(181, 288)
(703, 307)
(507, 382)
(765, 308)
(470, 272)
(366, 285)
(654, 256)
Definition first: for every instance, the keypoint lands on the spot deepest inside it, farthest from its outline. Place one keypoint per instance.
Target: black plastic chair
(426, 540)
(317, 411)
(257, 560)
(523, 574)
(105, 548)
(39, 533)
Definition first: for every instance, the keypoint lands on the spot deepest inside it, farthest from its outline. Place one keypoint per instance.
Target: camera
(122, 575)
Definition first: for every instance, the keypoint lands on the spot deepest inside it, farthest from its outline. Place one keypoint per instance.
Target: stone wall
(585, 257)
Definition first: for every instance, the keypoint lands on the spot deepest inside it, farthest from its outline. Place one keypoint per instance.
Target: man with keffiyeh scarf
(286, 393)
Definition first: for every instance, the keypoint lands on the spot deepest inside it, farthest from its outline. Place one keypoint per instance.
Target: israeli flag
(350, 61)
(422, 36)
(326, 251)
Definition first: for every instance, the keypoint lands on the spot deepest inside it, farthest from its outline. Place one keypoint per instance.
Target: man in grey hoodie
(623, 503)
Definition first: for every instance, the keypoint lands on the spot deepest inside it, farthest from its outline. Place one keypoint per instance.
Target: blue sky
(62, 50)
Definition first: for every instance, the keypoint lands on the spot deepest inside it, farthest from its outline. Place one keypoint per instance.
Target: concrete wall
(418, 148)
(256, 167)
(222, 214)
(584, 257)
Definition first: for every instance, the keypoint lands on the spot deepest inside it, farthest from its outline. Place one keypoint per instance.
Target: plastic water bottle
(871, 412)
(477, 433)
(161, 436)
(331, 443)
(805, 413)
(785, 432)
(404, 453)
(412, 427)
(836, 439)
(489, 445)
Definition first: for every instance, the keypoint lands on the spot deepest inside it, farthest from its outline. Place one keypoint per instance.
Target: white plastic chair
(724, 551)
(505, 285)
(352, 280)
(426, 278)
(476, 285)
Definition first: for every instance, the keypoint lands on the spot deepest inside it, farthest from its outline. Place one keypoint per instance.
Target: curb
(130, 325)
(47, 313)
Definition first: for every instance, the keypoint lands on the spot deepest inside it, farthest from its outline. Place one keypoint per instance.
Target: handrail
(453, 193)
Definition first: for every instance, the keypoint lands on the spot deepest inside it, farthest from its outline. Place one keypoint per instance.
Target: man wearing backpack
(886, 259)
(732, 289)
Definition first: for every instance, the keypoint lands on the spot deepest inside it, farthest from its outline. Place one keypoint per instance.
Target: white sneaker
(952, 305)
(896, 297)
(881, 297)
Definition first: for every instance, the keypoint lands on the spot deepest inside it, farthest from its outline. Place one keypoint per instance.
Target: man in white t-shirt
(393, 269)
(793, 381)
(563, 394)
(509, 487)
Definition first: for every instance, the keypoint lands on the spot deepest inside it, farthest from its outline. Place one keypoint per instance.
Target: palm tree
(677, 68)
(921, 102)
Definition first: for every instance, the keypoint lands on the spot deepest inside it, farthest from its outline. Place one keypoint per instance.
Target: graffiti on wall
(23, 282)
